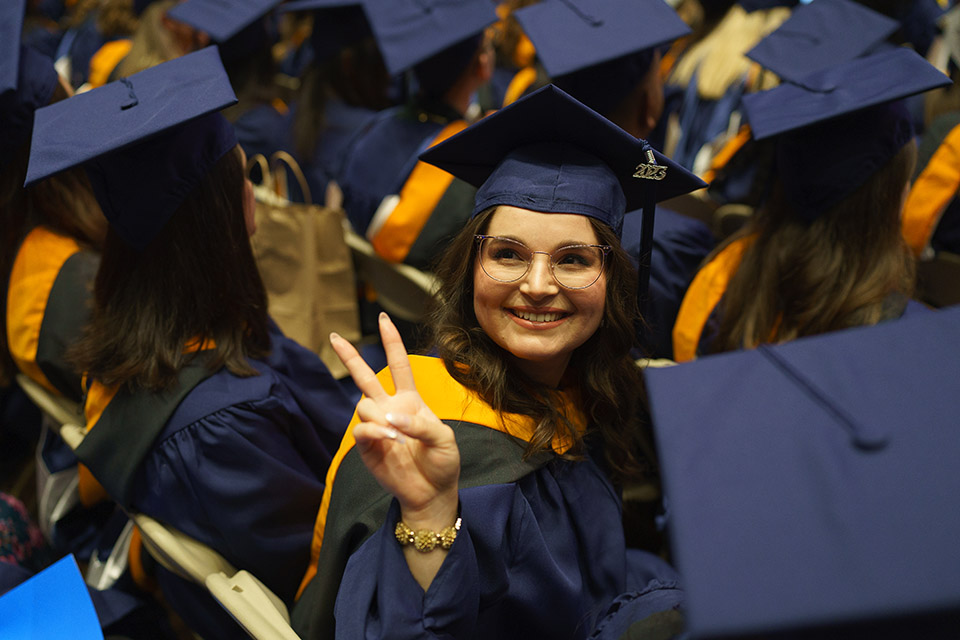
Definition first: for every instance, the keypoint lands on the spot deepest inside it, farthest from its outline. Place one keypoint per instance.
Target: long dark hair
(195, 282)
(64, 203)
(800, 278)
(606, 380)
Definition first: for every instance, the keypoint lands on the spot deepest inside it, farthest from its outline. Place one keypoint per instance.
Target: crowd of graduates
(693, 264)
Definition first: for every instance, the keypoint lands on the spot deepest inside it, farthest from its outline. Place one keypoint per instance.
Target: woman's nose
(539, 281)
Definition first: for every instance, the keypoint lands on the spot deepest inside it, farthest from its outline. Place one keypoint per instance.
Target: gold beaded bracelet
(426, 540)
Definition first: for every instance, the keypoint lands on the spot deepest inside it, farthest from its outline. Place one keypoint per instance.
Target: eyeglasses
(576, 266)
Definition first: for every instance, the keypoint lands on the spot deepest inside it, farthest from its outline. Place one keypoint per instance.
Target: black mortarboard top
(838, 126)
(812, 486)
(821, 34)
(27, 81)
(336, 24)
(598, 50)
(550, 153)
(411, 31)
(145, 141)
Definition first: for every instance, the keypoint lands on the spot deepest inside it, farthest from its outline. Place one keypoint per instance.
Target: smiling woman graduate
(496, 512)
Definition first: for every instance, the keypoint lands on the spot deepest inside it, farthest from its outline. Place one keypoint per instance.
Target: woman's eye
(505, 254)
(574, 260)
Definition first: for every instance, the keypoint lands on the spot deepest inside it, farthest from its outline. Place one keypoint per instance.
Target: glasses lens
(504, 260)
(577, 266)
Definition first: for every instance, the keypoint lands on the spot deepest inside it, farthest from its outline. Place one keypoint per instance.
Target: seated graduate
(409, 210)
(199, 412)
(607, 56)
(815, 36)
(245, 33)
(344, 86)
(52, 233)
(825, 251)
(474, 495)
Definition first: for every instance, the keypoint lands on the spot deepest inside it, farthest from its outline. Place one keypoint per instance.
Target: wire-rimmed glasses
(575, 266)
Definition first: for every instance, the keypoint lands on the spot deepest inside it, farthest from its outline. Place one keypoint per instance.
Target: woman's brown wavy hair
(196, 281)
(800, 278)
(601, 373)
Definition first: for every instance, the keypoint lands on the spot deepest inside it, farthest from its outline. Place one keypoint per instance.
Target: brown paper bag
(305, 263)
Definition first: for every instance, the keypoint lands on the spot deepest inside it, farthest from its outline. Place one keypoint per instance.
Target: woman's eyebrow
(558, 245)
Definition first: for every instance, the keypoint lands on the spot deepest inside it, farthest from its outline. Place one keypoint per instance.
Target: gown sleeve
(541, 557)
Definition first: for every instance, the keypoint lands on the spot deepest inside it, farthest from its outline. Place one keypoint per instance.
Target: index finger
(363, 376)
(397, 358)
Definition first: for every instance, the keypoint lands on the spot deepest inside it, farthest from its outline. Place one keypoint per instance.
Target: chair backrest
(403, 291)
(60, 409)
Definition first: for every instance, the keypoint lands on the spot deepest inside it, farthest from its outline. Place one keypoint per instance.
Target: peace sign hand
(410, 452)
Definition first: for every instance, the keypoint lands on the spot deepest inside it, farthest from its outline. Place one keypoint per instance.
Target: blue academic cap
(336, 24)
(599, 50)
(550, 153)
(409, 32)
(27, 81)
(838, 126)
(11, 25)
(145, 141)
(813, 486)
(821, 34)
(221, 19)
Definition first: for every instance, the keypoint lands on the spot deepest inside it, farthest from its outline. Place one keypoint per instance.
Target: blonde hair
(718, 59)
(152, 43)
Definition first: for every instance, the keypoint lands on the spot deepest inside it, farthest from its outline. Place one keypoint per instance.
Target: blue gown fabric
(342, 123)
(380, 159)
(540, 553)
(680, 244)
(240, 466)
(262, 129)
(543, 557)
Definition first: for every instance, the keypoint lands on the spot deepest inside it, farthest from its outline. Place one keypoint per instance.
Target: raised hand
(410, 452)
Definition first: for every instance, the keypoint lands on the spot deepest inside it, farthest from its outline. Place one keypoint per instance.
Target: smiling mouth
(538, 317)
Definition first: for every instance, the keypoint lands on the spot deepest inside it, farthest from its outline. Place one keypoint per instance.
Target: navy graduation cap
(550, 153)
(27, 81)
(337, 24)
(821, 34)
(411, 31)
(813, 485)
(598, 50)
(838, 126)
(11, 24)
(221, 19)
(145, 141)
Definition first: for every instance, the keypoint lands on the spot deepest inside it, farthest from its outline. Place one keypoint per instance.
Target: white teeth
(538, 317)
